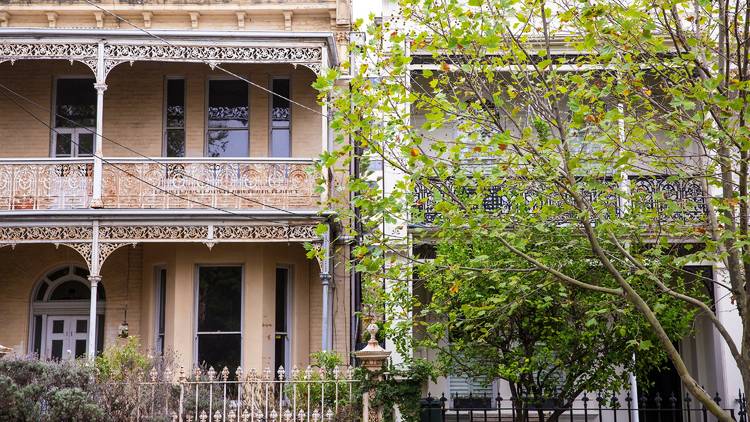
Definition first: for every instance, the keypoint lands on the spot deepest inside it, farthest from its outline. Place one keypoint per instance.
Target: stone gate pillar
(372, 357)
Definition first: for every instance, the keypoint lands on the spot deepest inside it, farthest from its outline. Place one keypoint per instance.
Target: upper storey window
(174, 123)
(75, 118)
(227, 134)
(281, 118)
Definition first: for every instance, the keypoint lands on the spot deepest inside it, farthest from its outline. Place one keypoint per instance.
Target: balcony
(163, 183)
(652, 192)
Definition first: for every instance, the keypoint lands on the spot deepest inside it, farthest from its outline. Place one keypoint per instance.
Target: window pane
(281, 87)
(58, 326)
(227, 143)
(176, 103)
(280, 145)
(85, 143)
(57, 346)
(99, 334)
(70, 290)
(162, 299)
(37, 335)
(76, 102)
(281, 296)
(219, 299)
(219, 350)
(227, 104)
(42, 290)
(81, 326)
(80, 348)
(62, 144)
(280, 352)
(175, 142)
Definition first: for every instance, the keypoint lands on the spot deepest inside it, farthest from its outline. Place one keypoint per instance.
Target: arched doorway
(60, 314)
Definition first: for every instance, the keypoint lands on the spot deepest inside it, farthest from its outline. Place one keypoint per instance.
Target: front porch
(236, 304)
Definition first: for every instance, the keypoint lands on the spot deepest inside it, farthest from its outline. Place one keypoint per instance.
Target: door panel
(67, 337)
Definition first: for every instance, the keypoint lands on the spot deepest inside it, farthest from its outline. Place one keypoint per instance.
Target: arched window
(60, 311)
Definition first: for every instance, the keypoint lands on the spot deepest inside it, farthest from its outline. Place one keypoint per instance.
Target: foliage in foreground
(604, 124)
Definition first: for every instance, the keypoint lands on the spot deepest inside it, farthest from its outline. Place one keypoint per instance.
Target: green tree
(490, 315)
(562, 113)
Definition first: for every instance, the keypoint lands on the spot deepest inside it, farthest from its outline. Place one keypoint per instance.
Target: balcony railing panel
(51, 184)
(651, 193)
(209, 183)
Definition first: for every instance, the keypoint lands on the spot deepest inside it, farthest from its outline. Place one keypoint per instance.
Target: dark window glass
(219, 316)
(281, 118)
(100, 293)
(281, 299)
(63, 146)
(227, 119)
(70, 290)
(85, 144)
(59, 273)
(80, 272)
(160, 311)
(282, 308)
(220, 350)
(175, 120)
(80, 348)
(82, 326)
(99, 334)
(57, 348)
(58, 326)
(38, 335)
(42, 290)
(76, 103)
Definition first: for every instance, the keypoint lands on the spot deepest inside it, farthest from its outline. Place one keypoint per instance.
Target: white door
(67, 337)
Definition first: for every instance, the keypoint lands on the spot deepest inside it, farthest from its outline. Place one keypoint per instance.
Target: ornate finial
(295, 372)
(203, 417)
(281, 372)
(245, 416)
(329, 415)
(225, 374)
(373, 330)
(267, 374)
(308, 373)
(288, 415)
(301, 415)
(273, 415)
(217, 416)
(211, 373)
(238, 373)
(232, 416)
(316, 415)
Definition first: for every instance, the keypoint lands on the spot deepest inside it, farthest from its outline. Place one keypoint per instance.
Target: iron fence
(310, 395)
(584, 409)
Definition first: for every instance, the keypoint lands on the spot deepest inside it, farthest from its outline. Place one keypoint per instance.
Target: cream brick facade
(133, 115)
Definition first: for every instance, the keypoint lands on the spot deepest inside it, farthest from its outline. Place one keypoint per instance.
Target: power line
(29, 112)
(212, 65)
(165, 165)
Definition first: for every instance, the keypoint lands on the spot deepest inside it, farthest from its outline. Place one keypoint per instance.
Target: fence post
(372, 357)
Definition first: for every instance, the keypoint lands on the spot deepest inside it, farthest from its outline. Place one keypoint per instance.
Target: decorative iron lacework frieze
(160, 232)
(115, 54)
(266, 232)
(14, 234)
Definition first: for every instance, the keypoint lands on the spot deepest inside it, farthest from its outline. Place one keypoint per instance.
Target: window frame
(165, 105)
(270, 114)
(206, 105)
(196, 292)
(74, 131)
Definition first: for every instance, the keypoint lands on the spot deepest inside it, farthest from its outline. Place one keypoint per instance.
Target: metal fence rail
(584, 409)
(312, 395)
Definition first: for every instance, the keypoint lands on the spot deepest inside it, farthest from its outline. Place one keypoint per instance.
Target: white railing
(209, 183)
(45, 184)
(312, 395)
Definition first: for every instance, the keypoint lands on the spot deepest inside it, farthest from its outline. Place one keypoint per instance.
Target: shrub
(74, 404)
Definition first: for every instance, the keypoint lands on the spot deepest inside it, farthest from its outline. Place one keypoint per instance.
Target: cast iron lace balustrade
(45, 184)
(243, 183)
(687, 195)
